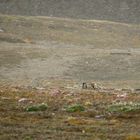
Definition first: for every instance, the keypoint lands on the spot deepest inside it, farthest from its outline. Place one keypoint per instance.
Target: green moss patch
(39, 107)
(75, 108)
(124, 107)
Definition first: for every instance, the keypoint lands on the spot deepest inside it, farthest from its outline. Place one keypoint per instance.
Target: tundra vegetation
(83, 114)
(40, 60)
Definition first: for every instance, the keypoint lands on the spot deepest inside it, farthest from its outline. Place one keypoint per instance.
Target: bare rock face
(115, 10)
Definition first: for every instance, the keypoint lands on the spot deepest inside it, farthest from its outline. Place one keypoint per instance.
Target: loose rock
(24, 101)
(1, 30)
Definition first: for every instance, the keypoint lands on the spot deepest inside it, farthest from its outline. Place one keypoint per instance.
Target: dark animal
(84, 85)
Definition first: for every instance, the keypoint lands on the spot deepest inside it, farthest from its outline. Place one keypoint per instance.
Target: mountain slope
(76, 32)
(34, 50)
(115, 10)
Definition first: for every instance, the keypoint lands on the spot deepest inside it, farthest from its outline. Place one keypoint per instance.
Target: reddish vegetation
(95, 122)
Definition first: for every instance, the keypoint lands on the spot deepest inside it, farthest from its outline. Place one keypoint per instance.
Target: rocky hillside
(115, 10)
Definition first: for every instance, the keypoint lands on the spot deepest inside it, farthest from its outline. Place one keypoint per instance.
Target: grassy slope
(99, 33)
(55, 123)
(22, 34)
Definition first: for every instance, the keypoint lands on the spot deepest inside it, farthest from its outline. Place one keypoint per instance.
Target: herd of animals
(97, 87)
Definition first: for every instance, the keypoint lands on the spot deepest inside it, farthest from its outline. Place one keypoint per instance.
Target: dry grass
(22, 29)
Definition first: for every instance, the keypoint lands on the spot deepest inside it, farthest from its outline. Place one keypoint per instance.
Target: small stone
(24, 100)
(53, 114)
(40, 88)
(83, 131)
(99, 117)
(1, 30)
(122, 95)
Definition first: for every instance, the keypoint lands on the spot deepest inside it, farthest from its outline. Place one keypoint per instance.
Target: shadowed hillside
(115, 10)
